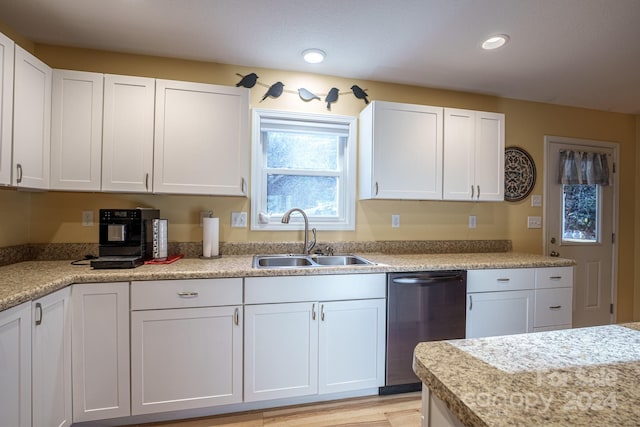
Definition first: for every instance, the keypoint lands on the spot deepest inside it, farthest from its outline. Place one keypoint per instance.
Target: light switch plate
(238, 219)
(536, 201)
(87, 218)
(534, 222)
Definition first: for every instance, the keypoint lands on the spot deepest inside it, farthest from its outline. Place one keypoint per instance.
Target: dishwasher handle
(417, 280)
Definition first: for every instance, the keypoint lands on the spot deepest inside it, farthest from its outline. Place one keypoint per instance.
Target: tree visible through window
(303, 161)
(580, 210)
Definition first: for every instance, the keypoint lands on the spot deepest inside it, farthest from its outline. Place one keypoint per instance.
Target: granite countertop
(571, 377)
(25, 281)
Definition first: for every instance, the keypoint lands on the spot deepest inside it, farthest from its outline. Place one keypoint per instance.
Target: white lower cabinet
(100, 351)
(51, 360)
(281, 351)
(499, 302)
(15, 366)
(307, 335)
(554, 298)
(499, 313)
(186, 344)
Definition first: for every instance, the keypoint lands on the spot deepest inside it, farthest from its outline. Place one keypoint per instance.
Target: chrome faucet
(308, 246)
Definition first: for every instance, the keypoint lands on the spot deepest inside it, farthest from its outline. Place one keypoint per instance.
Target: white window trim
(258, 184)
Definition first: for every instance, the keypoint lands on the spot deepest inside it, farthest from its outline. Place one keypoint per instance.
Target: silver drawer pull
(504, 280)
(187, 294)
(555, 307)
(555, 278)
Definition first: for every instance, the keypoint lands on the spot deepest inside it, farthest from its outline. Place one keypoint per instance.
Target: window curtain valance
(583, 167)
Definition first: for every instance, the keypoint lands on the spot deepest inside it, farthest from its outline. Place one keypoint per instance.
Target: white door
(580, 225)
(352, 345)
(100, 351)
(185, 358)
(499, 313)
(127, 133)
(76, 130)
(201, 139)
(51, 360)
(281, 351)
(7, 47)
(15, 366)
(31, 121)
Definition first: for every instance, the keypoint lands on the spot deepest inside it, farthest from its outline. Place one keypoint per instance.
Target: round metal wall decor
(519, 174)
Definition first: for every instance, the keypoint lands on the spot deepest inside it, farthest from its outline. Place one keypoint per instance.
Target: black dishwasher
(421, 306)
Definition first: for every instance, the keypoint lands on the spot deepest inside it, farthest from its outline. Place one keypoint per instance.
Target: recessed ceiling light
(495, 42)
(313, 56)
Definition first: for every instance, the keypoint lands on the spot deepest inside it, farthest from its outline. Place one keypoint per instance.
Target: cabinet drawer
(500, 280)
(159, 294)
(553, 307)
(554, 277)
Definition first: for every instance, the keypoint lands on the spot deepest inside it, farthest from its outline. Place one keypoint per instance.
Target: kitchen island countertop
(571, 377)
(26, 281)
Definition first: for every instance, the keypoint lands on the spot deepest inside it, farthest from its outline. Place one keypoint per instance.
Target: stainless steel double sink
(301, 260)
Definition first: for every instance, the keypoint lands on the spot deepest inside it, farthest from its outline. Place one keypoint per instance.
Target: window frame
(347, 190)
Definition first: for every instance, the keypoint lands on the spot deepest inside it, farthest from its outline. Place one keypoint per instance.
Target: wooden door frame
(615, 147)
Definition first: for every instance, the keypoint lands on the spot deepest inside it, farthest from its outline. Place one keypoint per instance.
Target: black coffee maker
(126, 237)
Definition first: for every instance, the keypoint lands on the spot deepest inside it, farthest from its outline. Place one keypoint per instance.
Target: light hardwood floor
(400, 410)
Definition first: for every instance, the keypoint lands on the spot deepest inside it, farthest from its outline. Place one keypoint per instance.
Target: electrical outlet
(205, 214)
(239, 219)
(395, 221)
(87, 218)
(472, 221)
(534, 222)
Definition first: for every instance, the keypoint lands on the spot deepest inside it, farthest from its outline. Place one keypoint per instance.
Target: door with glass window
(580, 222)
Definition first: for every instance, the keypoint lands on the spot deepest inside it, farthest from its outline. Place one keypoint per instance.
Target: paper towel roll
(210, 231)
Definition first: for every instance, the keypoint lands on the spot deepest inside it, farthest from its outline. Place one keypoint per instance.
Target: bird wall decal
(248, 81)
(306, 95)
(275, 90)
(332, 97)
(359, 93)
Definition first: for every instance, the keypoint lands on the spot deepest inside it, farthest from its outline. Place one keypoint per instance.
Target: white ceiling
(583, 53)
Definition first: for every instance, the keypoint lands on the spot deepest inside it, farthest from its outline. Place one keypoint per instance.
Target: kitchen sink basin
(297, 261)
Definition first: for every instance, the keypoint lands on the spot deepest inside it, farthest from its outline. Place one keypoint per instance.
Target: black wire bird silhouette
(274, 91)
(359, 93)
(248, 81)
(307, 95)
(332, 96)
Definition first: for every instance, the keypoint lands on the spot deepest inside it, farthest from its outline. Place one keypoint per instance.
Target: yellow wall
(56, 216)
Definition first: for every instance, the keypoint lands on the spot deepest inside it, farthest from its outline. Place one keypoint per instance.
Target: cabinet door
(6, 107)
(201, 139)
(185, 358)
(31, 121)
(351, 345)
(127, 134)
(281, 351)
(15, 366)
(459, 155)
(499, 313)
(401, 151)
(51, 359)
(100, 351)
(76, 130)
(489, 156)
(473, 155)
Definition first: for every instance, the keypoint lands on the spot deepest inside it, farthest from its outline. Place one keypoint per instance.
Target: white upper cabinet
(127, 134)
(473, 155)
(76, 130)
(201, 139)
(401, 151)
(31, 121)
(6, 107)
